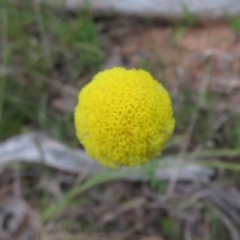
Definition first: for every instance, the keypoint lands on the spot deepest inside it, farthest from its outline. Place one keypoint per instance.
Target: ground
(48, 55)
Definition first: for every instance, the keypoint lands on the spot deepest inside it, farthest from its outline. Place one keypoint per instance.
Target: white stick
(204, 9)
(37, 147)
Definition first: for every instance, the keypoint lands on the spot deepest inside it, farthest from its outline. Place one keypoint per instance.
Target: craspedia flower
(124, 117)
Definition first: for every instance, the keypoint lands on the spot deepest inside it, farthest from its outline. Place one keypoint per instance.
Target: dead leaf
(18, 221)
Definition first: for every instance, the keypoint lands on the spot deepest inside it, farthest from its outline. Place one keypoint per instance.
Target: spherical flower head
(124, 117)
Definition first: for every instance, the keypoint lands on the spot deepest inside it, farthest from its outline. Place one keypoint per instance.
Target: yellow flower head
(124, 117)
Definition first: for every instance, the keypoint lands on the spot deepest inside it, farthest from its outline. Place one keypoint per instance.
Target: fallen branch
(37, 147)
(204, 10)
